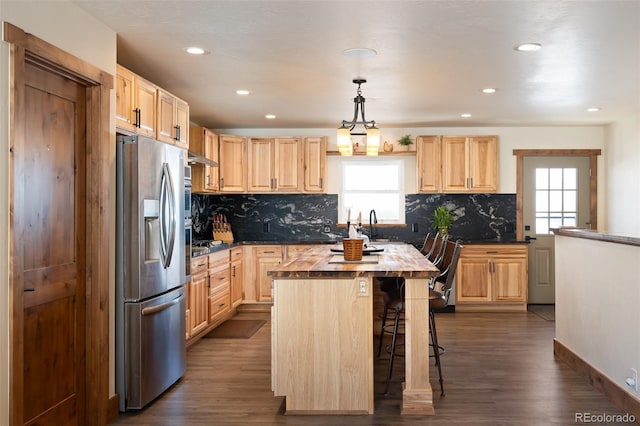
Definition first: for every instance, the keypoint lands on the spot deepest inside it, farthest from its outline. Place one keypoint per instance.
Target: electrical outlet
(266, 227)
(363, 288)
(326, 229)
(414, 227)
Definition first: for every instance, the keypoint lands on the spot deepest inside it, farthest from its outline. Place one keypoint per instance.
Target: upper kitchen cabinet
(204, 142)
(315, 157)
(429, 163)
(173, 119)
(233, 163)
(135, 103)
(470, 164)
(274, 165)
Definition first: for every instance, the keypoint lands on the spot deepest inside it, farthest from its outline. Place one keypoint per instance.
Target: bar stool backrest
(438, 249)
(449, 264)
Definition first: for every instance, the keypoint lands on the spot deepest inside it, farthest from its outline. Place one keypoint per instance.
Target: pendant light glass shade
(345, 146)
(373, 141)
(344, 141)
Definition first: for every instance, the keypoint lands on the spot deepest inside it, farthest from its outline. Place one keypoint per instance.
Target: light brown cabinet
(429, 163)
(274, 165)
(198, 302)
(314, 164)
(469, 164)
(219, 285)
(173, 120)
(209, 293)
(492, 277)
(267, 257)
(135, 103)
(204, 142)
(233, 163)
(237, 276)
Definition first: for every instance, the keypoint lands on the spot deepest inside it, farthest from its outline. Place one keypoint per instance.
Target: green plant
(405, 140)
(442, 219)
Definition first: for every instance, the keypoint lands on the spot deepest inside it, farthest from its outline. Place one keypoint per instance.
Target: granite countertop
(201, 252)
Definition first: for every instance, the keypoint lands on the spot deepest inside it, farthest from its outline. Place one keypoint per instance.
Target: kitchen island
(322, 330)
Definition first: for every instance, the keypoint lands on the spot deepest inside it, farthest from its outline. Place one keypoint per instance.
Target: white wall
(597, 299)
(623, 176)
(68, 27)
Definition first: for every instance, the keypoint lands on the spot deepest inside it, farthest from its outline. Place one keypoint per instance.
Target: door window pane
(570, 179)
(570, 201)
(542, 178)
(555, 178)
(556, 198)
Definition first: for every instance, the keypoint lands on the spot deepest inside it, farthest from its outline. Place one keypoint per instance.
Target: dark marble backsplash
(303, 217)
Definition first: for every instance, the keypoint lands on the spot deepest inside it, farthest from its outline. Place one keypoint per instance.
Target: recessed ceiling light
(359, 52)
(593, 109)
(242, 92)
(465, 115)
(194, 50)
(269, 116)
(489, 90)
(528, 47)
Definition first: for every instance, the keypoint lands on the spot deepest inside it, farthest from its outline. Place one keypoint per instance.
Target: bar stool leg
(392, 353)
(436, 348)
(384, 320)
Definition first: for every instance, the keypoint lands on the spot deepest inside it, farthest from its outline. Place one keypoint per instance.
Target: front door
(49, 248)
(556, 192)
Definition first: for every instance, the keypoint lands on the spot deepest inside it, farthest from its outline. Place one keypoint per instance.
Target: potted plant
(405, 141)
(442, 219)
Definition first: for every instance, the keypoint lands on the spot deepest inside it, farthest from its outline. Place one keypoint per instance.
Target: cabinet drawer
(219, 304)
(218, 258)
(198, 264)
(219, 279)
(236, 254)
(494, 250)
(269, 251)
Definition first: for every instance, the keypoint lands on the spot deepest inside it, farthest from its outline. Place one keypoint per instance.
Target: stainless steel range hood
(194, 158)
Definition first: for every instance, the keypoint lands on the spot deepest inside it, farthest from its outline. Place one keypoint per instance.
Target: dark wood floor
(499, 369)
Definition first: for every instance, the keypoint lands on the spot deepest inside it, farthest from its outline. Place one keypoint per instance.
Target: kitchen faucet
(372, 214)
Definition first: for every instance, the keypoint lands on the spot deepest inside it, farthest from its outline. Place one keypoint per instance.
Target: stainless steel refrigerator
(150, 269)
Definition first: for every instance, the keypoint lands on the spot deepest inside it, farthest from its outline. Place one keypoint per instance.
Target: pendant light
(346, 130)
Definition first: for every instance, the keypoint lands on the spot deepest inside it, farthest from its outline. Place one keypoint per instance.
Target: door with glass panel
(556, 193)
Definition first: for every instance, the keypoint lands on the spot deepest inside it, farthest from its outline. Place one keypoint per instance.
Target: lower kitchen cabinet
(197, 304)
(266, 258)
(492, 278)
(219, 285)
(209, 293)
(237, 276)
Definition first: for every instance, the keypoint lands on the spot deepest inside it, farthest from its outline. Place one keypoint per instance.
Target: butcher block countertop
(396, 260)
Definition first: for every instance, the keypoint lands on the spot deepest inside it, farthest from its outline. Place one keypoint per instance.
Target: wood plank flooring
(498, 369)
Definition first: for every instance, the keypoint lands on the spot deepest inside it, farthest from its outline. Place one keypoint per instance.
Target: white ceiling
(434, 57)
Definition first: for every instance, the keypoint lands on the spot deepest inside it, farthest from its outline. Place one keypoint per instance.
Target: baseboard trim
(255, 307)
(113, 408)
(614, 392)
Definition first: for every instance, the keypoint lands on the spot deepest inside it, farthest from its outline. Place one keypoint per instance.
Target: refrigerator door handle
(159, 308)
(167, 224)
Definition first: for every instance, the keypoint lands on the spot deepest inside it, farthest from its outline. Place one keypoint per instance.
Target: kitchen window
(372, 184)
